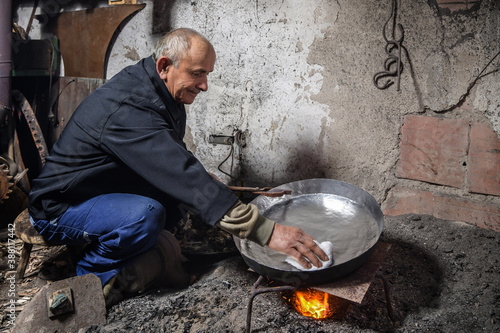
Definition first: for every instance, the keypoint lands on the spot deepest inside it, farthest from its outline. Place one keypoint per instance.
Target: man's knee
(149, 221)
(134, 223)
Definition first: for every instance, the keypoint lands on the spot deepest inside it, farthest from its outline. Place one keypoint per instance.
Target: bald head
(176, 44)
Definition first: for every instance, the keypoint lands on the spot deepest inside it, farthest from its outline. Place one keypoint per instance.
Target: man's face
(185, 82)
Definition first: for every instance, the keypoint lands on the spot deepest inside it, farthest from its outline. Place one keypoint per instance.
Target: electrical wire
(224, 161)
(239, 139)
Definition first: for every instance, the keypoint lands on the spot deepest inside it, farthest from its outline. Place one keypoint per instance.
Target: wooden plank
(72, 90)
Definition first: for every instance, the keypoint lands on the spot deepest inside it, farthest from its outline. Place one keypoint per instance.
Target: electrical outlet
(220, 139)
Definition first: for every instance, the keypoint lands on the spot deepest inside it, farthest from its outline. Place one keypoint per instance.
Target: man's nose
(203, 84)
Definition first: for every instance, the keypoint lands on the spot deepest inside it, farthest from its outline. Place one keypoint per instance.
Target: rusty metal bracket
(393, 49)
(257, 291)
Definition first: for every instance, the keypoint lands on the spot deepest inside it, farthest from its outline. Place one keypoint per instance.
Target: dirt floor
(444, 277)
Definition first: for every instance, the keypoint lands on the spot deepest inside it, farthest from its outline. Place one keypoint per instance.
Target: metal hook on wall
(393, 49)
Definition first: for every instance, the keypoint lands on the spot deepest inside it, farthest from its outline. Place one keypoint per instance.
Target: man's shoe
(158, 267)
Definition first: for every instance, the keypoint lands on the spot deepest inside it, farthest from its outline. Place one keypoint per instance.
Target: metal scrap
(393, 48)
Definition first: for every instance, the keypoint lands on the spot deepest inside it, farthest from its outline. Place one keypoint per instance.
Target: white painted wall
(262, 84)
(296, 77)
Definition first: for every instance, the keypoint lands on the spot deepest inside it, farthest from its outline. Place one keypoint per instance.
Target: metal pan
(328, 210)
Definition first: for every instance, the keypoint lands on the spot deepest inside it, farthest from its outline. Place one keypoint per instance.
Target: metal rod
(256, 291)
(30, 22)
(248, 189)
(265, 191)
(387, 295)
(394, 44)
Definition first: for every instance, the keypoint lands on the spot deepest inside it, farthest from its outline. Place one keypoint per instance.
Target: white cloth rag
(327, 247)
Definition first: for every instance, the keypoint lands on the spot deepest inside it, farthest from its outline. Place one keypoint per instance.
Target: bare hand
(296, 243)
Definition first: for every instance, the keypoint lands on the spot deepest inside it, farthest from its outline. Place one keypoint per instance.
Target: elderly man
(120, 172)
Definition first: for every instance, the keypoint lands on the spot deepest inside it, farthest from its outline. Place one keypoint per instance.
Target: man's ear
(161, 67)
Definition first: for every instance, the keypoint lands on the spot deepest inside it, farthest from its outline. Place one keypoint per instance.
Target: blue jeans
(116, 227)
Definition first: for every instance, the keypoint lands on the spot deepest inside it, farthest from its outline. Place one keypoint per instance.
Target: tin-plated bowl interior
(328, 210)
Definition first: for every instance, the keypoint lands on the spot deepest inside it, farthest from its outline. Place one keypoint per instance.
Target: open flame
(312, 303)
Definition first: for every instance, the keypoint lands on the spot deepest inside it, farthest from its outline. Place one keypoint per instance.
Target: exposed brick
(454, 5)
(482, 214)
(402, 201)
(484, 160)
(433, 150)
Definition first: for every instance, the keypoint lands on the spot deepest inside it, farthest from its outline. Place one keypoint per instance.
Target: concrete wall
(296, 77)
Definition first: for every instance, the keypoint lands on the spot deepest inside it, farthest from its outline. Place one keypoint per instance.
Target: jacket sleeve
(244, 221)
(151, 147)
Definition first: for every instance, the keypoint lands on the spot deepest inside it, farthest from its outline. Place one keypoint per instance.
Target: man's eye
(196, 74)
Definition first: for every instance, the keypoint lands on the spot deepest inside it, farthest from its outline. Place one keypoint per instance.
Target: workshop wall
(296, 83)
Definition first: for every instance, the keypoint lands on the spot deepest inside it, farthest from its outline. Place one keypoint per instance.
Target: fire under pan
(352, 288)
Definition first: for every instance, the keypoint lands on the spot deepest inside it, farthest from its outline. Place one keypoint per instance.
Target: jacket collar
(174, 109)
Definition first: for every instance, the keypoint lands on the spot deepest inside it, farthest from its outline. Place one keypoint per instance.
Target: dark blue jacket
(127, 137)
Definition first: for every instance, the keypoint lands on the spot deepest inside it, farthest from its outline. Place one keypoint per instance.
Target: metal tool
(265, 191)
